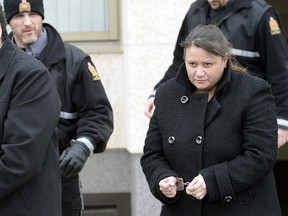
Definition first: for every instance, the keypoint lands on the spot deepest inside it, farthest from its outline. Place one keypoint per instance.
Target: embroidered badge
(93, 71)
(24, 6)
(274, 27)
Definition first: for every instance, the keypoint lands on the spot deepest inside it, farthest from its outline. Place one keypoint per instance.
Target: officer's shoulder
(261, 4)
(74, 52)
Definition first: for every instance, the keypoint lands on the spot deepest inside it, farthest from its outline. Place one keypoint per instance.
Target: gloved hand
(73, 159)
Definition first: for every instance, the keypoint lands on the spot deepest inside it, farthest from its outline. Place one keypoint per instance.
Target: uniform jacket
(29, 155)
(86, 111)
(231, 141)
(259, 43)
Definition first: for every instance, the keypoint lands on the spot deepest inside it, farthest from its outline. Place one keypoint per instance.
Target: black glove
(73, 159)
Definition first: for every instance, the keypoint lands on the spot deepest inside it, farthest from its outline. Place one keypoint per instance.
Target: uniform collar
(55, 50)
(36, 48)
(55, 46)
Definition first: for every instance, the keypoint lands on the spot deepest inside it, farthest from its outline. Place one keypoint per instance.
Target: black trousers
(72, 201)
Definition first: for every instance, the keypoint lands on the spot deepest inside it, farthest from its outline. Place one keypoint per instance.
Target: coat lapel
(214, 106)
(212, 111)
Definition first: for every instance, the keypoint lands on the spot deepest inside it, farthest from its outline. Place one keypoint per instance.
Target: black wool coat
(230, 140)
(30, 183)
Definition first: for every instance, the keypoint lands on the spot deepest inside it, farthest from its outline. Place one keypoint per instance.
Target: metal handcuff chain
(181, 184)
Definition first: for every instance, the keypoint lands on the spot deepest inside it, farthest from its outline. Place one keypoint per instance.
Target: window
(83, 20)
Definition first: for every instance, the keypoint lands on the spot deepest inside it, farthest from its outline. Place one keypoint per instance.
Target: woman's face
(204, 69)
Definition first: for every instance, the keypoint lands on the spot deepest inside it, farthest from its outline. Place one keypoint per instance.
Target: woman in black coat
(212, 140)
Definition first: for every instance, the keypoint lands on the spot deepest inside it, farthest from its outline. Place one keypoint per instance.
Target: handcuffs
(181, 184)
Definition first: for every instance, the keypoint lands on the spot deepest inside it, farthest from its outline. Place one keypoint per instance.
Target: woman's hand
(168, 186)
(197, 188)
(149, 107)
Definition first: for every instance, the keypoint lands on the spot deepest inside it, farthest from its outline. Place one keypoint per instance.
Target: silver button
(171, 140)
(228, 199)
(199, 140)
(184, 99)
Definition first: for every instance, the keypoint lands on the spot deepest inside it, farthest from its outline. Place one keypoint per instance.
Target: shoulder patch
(274, 27)
(93, 71)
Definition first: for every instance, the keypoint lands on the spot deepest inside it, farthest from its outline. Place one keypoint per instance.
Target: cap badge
(24, 6)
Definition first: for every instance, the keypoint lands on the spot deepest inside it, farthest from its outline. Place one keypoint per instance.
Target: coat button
(171, 140)
(184, 99)
(228, 199)
(199, 140)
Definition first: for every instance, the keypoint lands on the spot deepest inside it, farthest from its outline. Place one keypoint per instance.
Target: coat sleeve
(273, 49)
(259, 149)
(153, 161)
(93, 107)
(32, 117)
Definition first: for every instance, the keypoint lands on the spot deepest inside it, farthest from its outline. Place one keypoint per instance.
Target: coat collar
(55, 47)
(214, 106)
(55, 50)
